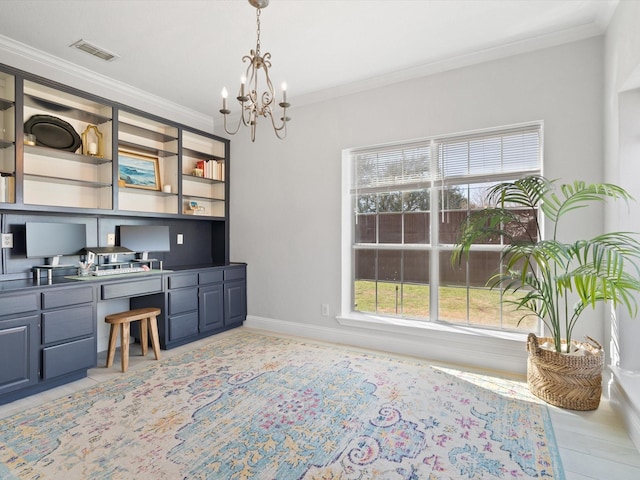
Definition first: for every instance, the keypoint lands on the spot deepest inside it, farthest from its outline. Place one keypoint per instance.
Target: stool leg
(113, 335)
(155, 341)
(144, 340)
(125, 346)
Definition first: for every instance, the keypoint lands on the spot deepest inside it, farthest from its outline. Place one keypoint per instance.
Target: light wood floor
(593, 445)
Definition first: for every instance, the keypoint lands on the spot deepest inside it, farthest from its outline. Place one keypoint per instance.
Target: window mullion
(434, 255)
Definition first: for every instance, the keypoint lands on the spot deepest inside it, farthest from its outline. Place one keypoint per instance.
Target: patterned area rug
(251, 406)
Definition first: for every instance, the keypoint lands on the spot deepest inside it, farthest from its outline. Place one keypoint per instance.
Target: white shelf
(52, 101)
(66, 181)
(64, 155)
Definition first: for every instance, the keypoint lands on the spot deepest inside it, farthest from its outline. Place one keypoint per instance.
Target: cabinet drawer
(179, 281)
(182, 326)
(237, 273)
(68, 323)
(131, 289)
(181, 301)
(18, 303)
(215, 276)
(67, 296)
(68, 357)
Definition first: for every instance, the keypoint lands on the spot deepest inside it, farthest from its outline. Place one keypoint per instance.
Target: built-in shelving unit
(184, 174)
(191, 166)
(129, 168)
(7, 138)
(61, 178)
(203, 156)
(155, 145)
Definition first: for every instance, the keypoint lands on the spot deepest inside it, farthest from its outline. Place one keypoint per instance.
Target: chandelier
(253, 104)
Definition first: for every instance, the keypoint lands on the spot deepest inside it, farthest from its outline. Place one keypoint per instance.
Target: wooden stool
(147, 317)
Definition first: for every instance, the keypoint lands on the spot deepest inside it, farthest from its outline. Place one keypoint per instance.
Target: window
(407, 202)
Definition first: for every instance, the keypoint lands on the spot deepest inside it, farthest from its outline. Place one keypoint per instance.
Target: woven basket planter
(567, 381)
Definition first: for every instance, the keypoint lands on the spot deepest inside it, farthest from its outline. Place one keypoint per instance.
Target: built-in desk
(48, 331)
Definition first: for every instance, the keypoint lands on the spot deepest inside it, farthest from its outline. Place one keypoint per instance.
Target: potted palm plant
(556, 280)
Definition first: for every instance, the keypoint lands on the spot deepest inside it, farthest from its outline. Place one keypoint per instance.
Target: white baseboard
(503, 355)
(624, 394)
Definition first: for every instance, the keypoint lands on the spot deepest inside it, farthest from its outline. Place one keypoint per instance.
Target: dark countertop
(30, 283)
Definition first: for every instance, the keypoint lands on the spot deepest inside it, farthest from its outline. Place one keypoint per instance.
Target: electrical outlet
(111, 239)
(180, 239)
(7, 240)
(325, 309)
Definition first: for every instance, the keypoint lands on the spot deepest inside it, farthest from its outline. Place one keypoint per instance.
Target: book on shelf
(7, 188)
(211, 169)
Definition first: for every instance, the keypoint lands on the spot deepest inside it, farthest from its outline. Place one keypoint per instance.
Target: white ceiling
(187, 50)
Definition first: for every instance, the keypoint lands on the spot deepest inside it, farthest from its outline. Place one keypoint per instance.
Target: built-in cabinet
(199, 303)
(68, 331)
(105, 165)
(48, 332)
(47, 337)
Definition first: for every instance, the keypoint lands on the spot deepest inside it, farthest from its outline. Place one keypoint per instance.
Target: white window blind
(489, 156)
(401, 167)
(459, 159)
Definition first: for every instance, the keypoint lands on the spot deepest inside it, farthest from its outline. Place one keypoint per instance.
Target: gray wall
(286, 195)
(622, 134)
(622, 140)
(295, 263)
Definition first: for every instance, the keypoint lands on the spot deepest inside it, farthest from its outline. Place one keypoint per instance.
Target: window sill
(454, 344)
(425, 328)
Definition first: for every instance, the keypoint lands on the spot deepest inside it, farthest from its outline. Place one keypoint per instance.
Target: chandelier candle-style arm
(252, 104)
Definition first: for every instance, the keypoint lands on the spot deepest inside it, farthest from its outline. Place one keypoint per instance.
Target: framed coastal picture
(138, 170)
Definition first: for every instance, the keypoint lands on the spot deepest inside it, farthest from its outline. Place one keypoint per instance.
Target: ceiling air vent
(94, 50)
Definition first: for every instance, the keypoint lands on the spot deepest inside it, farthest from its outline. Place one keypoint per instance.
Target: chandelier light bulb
(243, 80)
(225, 94)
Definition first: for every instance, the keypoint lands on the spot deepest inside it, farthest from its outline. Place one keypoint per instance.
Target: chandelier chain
(258, 31)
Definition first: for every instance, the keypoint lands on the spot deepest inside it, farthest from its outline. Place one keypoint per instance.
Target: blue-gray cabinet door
(211, 308)
(19, 343)
(235, 303)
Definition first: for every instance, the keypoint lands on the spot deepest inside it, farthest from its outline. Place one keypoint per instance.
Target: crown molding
(497, 52)
(37, 62)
